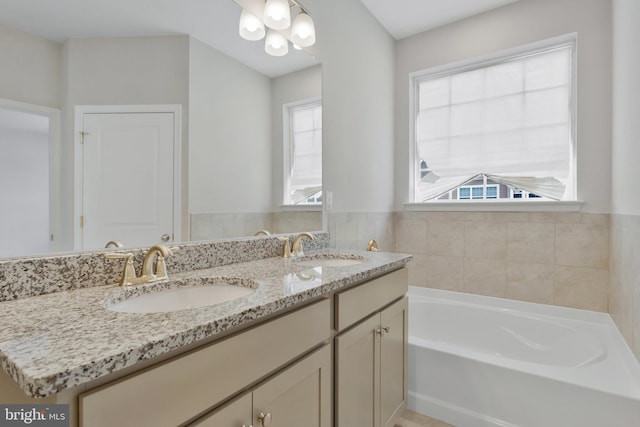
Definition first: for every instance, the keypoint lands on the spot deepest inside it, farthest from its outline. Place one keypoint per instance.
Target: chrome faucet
(296, 246)
(147, 274)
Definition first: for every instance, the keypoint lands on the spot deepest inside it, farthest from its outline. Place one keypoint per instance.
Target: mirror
(231, 121)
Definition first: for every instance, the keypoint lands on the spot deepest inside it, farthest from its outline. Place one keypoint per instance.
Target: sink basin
(330, 260)
(184, 295)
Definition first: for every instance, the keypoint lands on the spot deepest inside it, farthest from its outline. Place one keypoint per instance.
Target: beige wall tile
(590, 218)
(411, 236)
(556, 217)
(456, 216)
(530, 282)
(581, 287)
(346, 235)
(485, 240)
(508, 216)
(531, 242)
(485, 276)
(635, 307)
(444, 272)
(445, 238)
(582, 245)
(418, 270)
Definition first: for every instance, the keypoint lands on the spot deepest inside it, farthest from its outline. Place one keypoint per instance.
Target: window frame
(571, 201)
(287, 133)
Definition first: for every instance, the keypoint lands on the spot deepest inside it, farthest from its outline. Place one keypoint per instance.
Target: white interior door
(127, 178)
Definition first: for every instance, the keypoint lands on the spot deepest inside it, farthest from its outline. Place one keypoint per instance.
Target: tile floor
(414, 419)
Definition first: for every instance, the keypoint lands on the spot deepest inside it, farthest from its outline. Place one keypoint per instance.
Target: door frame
(55, 179)
(79, 112)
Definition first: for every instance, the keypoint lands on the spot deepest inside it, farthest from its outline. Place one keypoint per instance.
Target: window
(303, 153)
(507, 119)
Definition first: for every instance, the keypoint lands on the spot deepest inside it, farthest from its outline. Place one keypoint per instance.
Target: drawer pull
(383, 330)
(265, 419)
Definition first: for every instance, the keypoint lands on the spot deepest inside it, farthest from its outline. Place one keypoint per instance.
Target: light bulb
(303, 31)
(277, 14)
(276, 44)
(250, 28)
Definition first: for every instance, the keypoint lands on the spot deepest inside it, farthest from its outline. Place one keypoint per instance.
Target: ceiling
(403, 18)
(214, 22)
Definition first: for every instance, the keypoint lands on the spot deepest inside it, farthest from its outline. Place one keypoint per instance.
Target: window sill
(301, 208)
(495, 206)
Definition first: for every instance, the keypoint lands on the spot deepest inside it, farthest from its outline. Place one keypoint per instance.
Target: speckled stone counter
(56, 341)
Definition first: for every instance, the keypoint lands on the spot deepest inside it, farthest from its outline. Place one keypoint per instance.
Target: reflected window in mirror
(303, 152)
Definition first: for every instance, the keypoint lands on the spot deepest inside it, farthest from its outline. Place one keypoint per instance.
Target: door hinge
(82, 134)
(81, 221)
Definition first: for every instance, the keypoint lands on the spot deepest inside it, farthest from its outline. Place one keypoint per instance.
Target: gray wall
(626, 107)
(229, 134)
(357, 94)
(31, 68)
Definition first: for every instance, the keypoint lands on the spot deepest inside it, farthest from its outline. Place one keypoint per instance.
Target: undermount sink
(330, 260)
(179, 295)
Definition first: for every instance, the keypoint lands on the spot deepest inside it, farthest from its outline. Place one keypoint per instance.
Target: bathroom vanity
(320, 341)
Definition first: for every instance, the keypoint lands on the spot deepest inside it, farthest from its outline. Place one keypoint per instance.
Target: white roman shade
(306, 152)
(508, 119)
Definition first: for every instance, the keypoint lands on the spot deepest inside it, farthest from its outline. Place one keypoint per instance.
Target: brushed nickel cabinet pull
(265, 419)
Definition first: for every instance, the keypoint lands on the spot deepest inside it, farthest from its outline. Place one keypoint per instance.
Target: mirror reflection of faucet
(114, 244)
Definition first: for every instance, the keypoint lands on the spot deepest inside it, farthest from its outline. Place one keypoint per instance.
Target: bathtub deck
(414, 419)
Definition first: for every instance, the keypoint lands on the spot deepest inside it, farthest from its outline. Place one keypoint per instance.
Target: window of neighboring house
(467, 192)
(507, 120)
(303, 153)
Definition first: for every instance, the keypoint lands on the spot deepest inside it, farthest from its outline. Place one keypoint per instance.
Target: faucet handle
(287, 248)
(372, 246)
(161, 266)
(129, 272)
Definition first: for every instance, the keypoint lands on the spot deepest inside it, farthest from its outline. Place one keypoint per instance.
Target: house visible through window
(303, 152)
(497, 129)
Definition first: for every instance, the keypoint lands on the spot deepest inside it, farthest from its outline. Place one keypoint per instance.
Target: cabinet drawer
(175, 391)
(357, 303)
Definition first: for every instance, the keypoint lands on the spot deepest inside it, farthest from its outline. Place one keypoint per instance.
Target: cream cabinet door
(299, 396)
(371, 370)
(357, 368)
(235, 414)
(393, 362)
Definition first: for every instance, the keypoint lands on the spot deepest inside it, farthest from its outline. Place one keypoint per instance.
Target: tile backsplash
(207, 226)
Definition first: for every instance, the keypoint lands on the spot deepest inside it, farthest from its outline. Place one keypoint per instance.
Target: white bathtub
(477, 361)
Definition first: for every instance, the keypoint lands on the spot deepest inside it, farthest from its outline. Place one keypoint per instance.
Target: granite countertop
(57, 341)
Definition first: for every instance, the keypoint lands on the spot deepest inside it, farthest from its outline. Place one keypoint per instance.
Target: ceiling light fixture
(251, 27)
(276, 16)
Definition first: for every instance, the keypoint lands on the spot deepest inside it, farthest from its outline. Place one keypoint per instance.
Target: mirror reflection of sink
(330, 260)
(193, 293)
